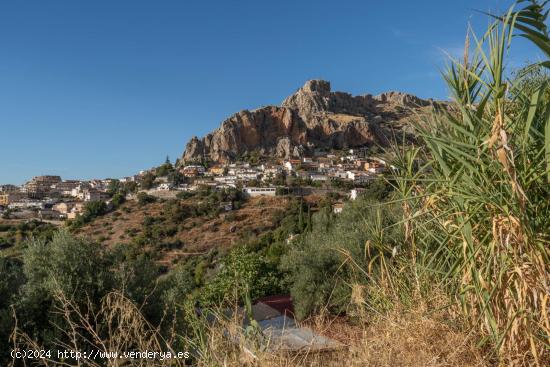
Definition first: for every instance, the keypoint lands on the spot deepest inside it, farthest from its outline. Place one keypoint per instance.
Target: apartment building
(40, 186)
(65, 187)
(8, 188)
(7, 198)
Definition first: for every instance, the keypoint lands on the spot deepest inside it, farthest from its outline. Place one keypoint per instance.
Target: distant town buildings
(51, 197)
(39, 186)
(217, 170)
(10, 197)
(94, 195)
(8, 188)
(193, 171)
(65, 187)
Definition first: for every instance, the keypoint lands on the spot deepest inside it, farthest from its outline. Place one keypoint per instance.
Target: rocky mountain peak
(316, 97)
(317, 86)
(312, 117)
(312, 98)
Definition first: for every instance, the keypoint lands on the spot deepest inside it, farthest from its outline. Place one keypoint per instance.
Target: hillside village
(332, 229)
(318, 141)
(52, 198)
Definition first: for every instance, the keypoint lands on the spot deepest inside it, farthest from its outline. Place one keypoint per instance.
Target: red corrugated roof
(281, 302)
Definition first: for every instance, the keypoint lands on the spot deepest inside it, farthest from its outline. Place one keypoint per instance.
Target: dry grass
(413, 337)
(117, 326)
(398, 340)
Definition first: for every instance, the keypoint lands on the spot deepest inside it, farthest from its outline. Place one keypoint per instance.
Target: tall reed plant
(477, 204)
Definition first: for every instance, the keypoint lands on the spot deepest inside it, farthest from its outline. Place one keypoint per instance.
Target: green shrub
(178, 284)
(176, 212)
(144, 198)
(147, 181)
(184, 195)
(74, 267)
(11, 280)
(92, 210)
(135, 273)
(242, 273)
(118, 199)
(78, 270)
(317, 264)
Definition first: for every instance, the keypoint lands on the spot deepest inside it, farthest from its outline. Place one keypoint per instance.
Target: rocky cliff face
(313, 117)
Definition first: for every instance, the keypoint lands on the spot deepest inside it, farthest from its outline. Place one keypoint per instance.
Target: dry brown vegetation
(415, 336)
(198, 234)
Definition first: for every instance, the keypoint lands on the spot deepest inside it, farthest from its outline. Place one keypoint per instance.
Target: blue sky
(106, 88)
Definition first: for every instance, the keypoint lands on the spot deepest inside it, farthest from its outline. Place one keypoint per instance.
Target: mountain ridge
(312, 117)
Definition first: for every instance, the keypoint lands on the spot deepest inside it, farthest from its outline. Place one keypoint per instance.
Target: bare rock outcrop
(312, 117)
(316, 97)
(246, 131)
(402, 99)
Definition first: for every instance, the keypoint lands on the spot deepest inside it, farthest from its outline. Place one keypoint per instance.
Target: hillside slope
(174, 236)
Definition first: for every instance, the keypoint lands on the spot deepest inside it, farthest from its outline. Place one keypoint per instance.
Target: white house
(339, 174)
(318, 177)
(94, 195)
(260, 191)
(249, 175)
(376, 169)
(291, 164)
(164, 186)
(359, 177)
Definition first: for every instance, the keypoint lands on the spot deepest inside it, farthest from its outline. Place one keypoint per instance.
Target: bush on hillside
(118, 199)
(75, 270)
(144, 198)
(11, 280)
(318, 267)
(242, 273)
(74, 267)
(147, 181)
(92, 210)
